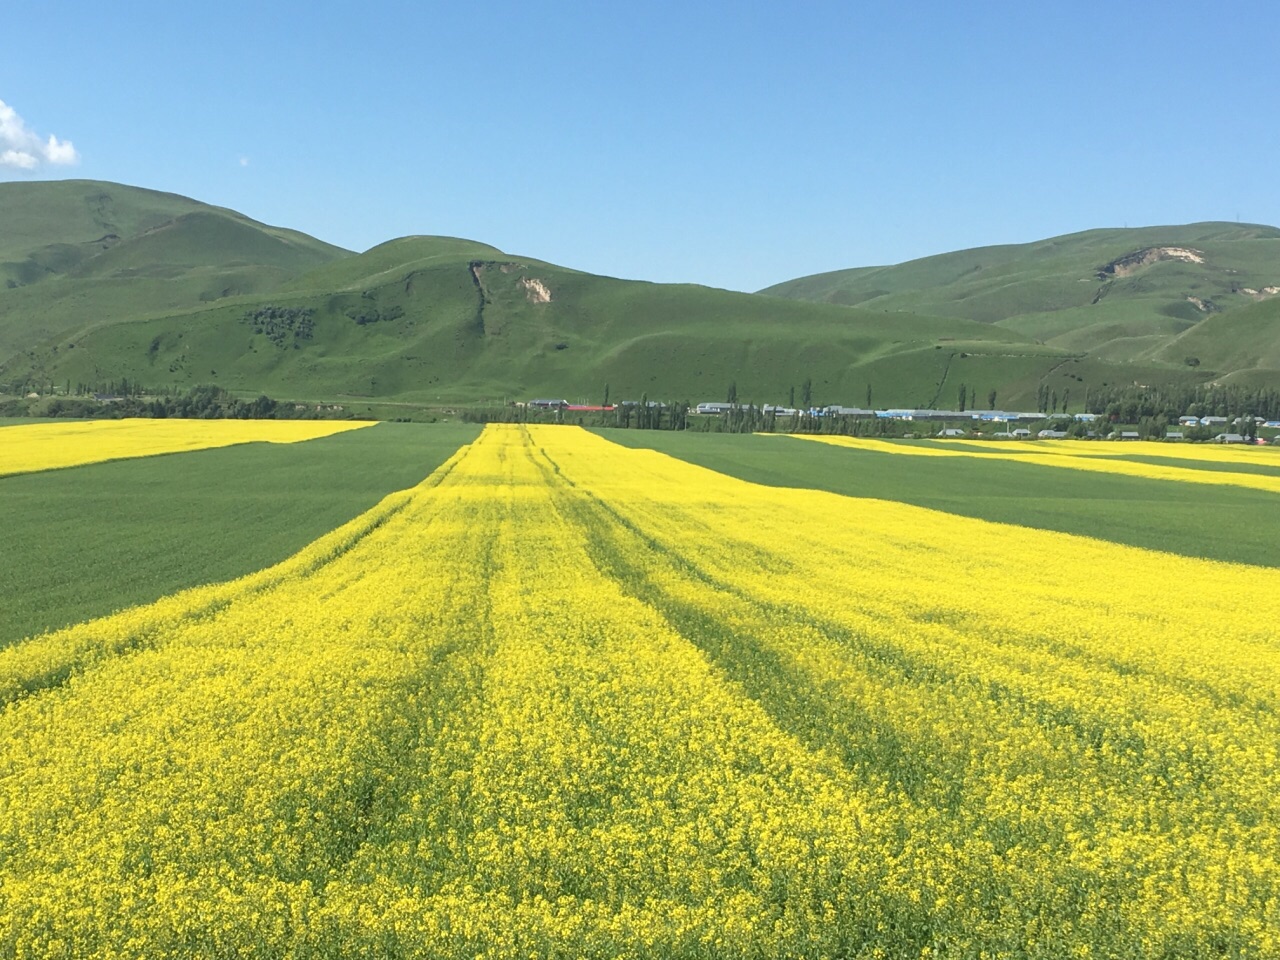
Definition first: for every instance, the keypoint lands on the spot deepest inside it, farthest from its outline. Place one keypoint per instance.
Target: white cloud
(19, 159)
(22, 149)
(244, 161)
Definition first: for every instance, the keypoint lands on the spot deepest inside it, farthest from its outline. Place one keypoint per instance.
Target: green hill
(1244, 344)
(75, 253)
(1114, 294)
(432, 318)
(102, 282)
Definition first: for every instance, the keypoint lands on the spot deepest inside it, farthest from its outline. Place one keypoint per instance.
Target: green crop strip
(83, 542)
(1217, 523)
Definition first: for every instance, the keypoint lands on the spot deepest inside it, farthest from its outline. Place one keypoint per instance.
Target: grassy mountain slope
(994, 283)
(1245, 343)
(427, 318)
(1076, 291)
(389, 260)
(101, 282)
(59, 222)
(75, 253)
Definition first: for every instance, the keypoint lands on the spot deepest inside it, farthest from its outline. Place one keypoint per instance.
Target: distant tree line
(749, 418)
(642, 414)
(1130, 404)
(203, 402)
(651, 415)
(513, 413)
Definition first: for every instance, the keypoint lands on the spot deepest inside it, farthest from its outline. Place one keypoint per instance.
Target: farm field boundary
(1264, 461)
(567, 698)
(1092, 464)
(1189, 453)
(1207, 520)
(81, 543)
(50, 446)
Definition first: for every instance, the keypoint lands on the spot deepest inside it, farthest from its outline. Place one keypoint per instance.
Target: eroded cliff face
(1266, 293)
(1133, 262)
(536, 290)
(490, 288)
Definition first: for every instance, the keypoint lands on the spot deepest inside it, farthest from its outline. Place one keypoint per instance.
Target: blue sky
(731, 144)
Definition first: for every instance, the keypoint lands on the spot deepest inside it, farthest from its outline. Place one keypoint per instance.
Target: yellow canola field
(568, 699)
(1078, 460)
(48, 446)
(1191, 452)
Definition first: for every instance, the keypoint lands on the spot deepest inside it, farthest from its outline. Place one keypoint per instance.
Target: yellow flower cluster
(47, 446)
(568, 699)
(1094, 458)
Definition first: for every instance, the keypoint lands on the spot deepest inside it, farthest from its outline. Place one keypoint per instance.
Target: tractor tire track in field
(838, 704)
(728, 628)
(437, 679)
(443, 695)
(753, 641)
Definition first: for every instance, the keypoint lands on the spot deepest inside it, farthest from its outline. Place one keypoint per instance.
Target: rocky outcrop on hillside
(1132, 262)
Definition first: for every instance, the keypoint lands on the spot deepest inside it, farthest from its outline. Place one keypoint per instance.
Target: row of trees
(652, 415)
(1131, 404)
(1047, 399)
(748, 418)
(204, 402)
(1167, 402)
(645, 414)
(121, 387)
(966, 397)
(1121, 404)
